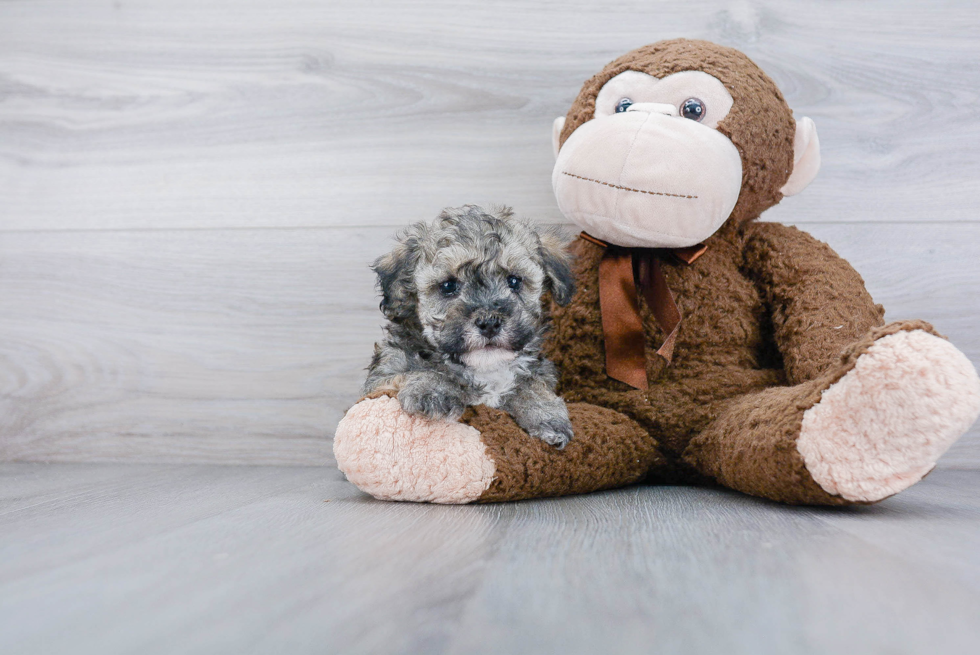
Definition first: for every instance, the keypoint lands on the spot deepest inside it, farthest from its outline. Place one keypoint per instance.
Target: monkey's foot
(885, 423)
(393, 455)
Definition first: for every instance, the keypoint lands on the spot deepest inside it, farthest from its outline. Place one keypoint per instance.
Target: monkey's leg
(486, 457)
(872, 425)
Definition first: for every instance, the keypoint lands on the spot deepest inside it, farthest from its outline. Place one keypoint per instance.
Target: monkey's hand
(541, 413)
(432, 395)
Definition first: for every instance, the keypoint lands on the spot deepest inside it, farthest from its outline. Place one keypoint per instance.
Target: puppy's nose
(489, 326)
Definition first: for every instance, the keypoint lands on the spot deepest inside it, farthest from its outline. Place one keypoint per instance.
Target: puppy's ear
(503, 212)
(557, 263)
(396, 272)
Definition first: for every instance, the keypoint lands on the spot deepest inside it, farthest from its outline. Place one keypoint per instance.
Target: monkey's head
(671, 140)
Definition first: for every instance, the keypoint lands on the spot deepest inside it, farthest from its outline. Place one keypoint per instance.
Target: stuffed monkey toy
(701, 345)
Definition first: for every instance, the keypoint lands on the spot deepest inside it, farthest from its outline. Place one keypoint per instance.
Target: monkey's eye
(514, 282)
(623, 105)
(693, 108)
(449, 287)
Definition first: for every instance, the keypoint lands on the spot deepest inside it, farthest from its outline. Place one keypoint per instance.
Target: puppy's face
(475, 282)
(480, 300)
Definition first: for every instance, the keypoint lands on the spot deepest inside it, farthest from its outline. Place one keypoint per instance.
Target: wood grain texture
(206, 559)
(248, 345)
(289, 113)
(190, 193)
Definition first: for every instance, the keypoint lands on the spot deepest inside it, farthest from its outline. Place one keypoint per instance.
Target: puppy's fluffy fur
(463, 299)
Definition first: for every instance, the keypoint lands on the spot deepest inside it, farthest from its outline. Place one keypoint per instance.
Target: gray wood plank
(674, 570)
(58, 506)
(350, 567)
(201, 559)
(246, 346)
(195, 346)
(288, 113)
(948, 504)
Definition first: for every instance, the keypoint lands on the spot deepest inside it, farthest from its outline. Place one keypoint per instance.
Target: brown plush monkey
(701, 344)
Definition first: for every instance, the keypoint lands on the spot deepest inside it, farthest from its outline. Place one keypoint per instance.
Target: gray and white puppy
(462, 295)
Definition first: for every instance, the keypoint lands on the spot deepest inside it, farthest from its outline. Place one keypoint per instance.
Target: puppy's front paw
(556, 432)
(434, 403)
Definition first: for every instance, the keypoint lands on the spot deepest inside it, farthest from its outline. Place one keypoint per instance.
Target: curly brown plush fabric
(816, 302)
(616, 452)
(763, 460)
(759, 317)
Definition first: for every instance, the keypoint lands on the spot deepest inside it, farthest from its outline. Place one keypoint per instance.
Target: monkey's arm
(818, 302)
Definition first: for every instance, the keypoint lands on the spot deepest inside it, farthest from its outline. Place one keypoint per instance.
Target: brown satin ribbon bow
(621, 271)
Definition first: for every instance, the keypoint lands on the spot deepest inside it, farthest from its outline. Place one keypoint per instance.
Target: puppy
(463, 299)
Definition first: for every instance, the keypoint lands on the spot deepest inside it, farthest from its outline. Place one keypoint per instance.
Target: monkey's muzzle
(647, 179)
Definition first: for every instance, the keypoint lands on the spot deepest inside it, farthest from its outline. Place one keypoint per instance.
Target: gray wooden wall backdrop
(190, 192)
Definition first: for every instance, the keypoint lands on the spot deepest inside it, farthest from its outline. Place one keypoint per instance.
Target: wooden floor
(105, 559)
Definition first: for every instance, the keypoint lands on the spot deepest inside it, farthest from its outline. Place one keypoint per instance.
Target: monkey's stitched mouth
(626, 188)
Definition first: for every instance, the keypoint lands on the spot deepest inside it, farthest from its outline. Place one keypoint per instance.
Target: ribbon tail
(621, 324)
(661, 301)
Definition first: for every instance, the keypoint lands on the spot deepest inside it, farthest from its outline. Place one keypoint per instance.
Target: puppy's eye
(623, 105)
(514, 282)
(449, 287)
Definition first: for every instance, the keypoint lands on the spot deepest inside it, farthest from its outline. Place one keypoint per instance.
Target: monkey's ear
(806, 157)
(556, 129)
(557, 263)
(396, 281)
